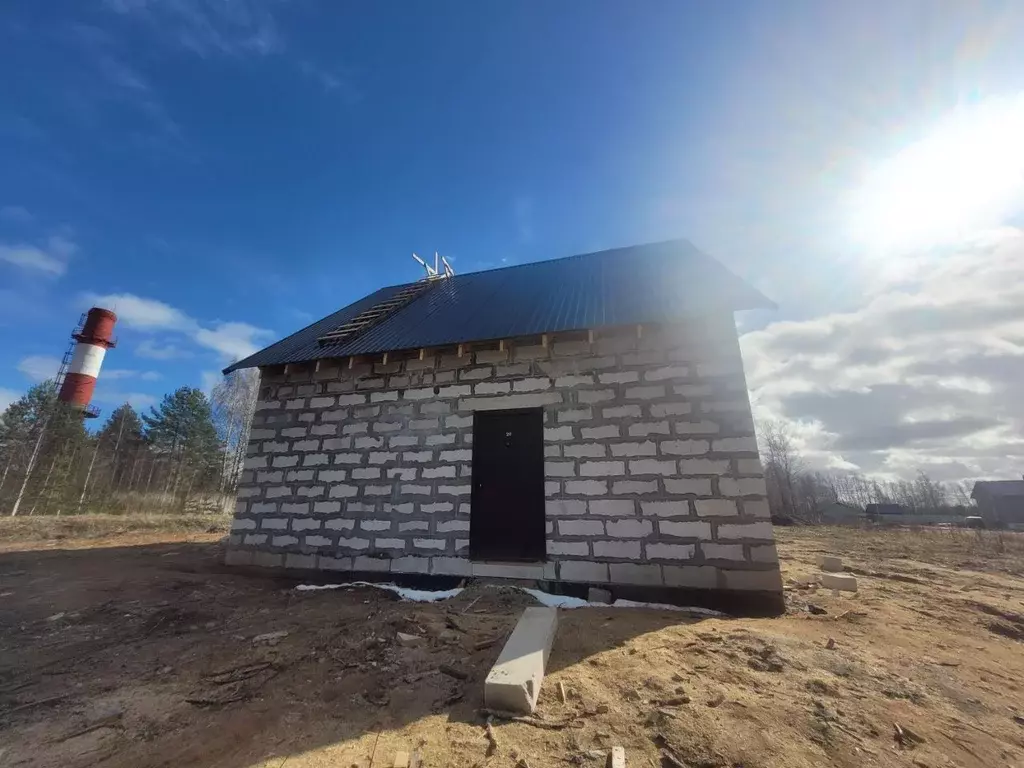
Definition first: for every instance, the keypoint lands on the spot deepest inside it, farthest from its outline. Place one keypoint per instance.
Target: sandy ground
(142, 650)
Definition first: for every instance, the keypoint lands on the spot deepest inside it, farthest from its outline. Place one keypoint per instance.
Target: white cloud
(136, 400)
(51, 259)
(152, 350)
(7, 396)
(127, 373)
(210, 379)
(16, 214)
(237, 28)
(142, 313)
(231, 340)
(39, 367)
(924, 374)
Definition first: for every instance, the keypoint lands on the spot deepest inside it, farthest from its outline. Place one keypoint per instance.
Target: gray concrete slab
(513, 684)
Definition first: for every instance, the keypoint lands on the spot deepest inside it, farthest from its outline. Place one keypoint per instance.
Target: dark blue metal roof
(640, 284)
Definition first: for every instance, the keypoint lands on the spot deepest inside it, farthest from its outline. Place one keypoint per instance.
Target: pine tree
(40, 438)
(181, 430)
(118, 444)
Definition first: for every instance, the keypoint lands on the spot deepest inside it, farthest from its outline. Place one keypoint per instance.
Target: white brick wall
(652, 475)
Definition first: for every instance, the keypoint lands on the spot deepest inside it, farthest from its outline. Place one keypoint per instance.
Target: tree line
(798, 492)
(185, 453)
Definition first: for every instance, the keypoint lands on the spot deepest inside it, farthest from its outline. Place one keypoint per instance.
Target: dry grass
(991, 551)
(51, 528)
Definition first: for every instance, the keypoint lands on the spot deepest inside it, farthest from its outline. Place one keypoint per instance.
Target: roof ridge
(677, 240)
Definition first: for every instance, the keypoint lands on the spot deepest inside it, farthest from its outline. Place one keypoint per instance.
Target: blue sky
(225, 171)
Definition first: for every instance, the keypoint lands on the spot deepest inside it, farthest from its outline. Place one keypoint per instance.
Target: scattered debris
(455, 672)
(674, 701)
(485, 644)
(409, 641)
(492, 740)
(270, 638)
(830, 563)
(56, 616)
(617, 758)
(561, 691)
(830, 644)
(39, 703)
(537, 722)
(1018, 719)
(716, 699)
(905, 737)
(840, 581)
(235, 674)
(401, 760)
(816, 610)
(851, 614)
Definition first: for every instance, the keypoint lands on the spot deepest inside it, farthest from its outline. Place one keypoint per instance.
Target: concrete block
(692, 576)
(652, 467)
(699, 486)
(513, 684)
(830, 564)
(267, 559)
(238, 557)
(685, 529)
(334, 563)
(509, 570)
(647, 448)
(661, 410)
(294, 560)
(410, 564)
(580, 570)
(635, 486)
(685, 447)
(570, 548)
(721, 507)
(451, 566)
(672, 551)
(617, 507)
(627, 550)
(843, 581)
(630, 573)
(598, 595)
(767, 581)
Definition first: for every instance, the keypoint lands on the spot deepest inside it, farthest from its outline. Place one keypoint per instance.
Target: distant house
(838, 513)
(1000, 502)
(881, 513)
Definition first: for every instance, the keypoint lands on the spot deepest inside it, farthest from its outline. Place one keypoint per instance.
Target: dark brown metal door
(507, 513)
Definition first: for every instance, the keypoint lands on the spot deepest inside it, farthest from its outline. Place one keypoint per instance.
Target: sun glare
(968, 173)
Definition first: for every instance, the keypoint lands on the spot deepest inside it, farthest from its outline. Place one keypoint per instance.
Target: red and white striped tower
(94, 338)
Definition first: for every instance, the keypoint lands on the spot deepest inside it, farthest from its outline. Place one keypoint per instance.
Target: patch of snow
(416, 595)
(691, 609)
(556, 601)
(544, 598)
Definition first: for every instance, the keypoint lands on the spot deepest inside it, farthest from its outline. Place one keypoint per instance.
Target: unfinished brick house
(581, 421)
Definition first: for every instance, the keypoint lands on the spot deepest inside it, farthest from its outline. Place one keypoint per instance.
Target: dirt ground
(142, 650)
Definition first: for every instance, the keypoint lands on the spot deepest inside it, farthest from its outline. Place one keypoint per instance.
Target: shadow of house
(168, 638)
